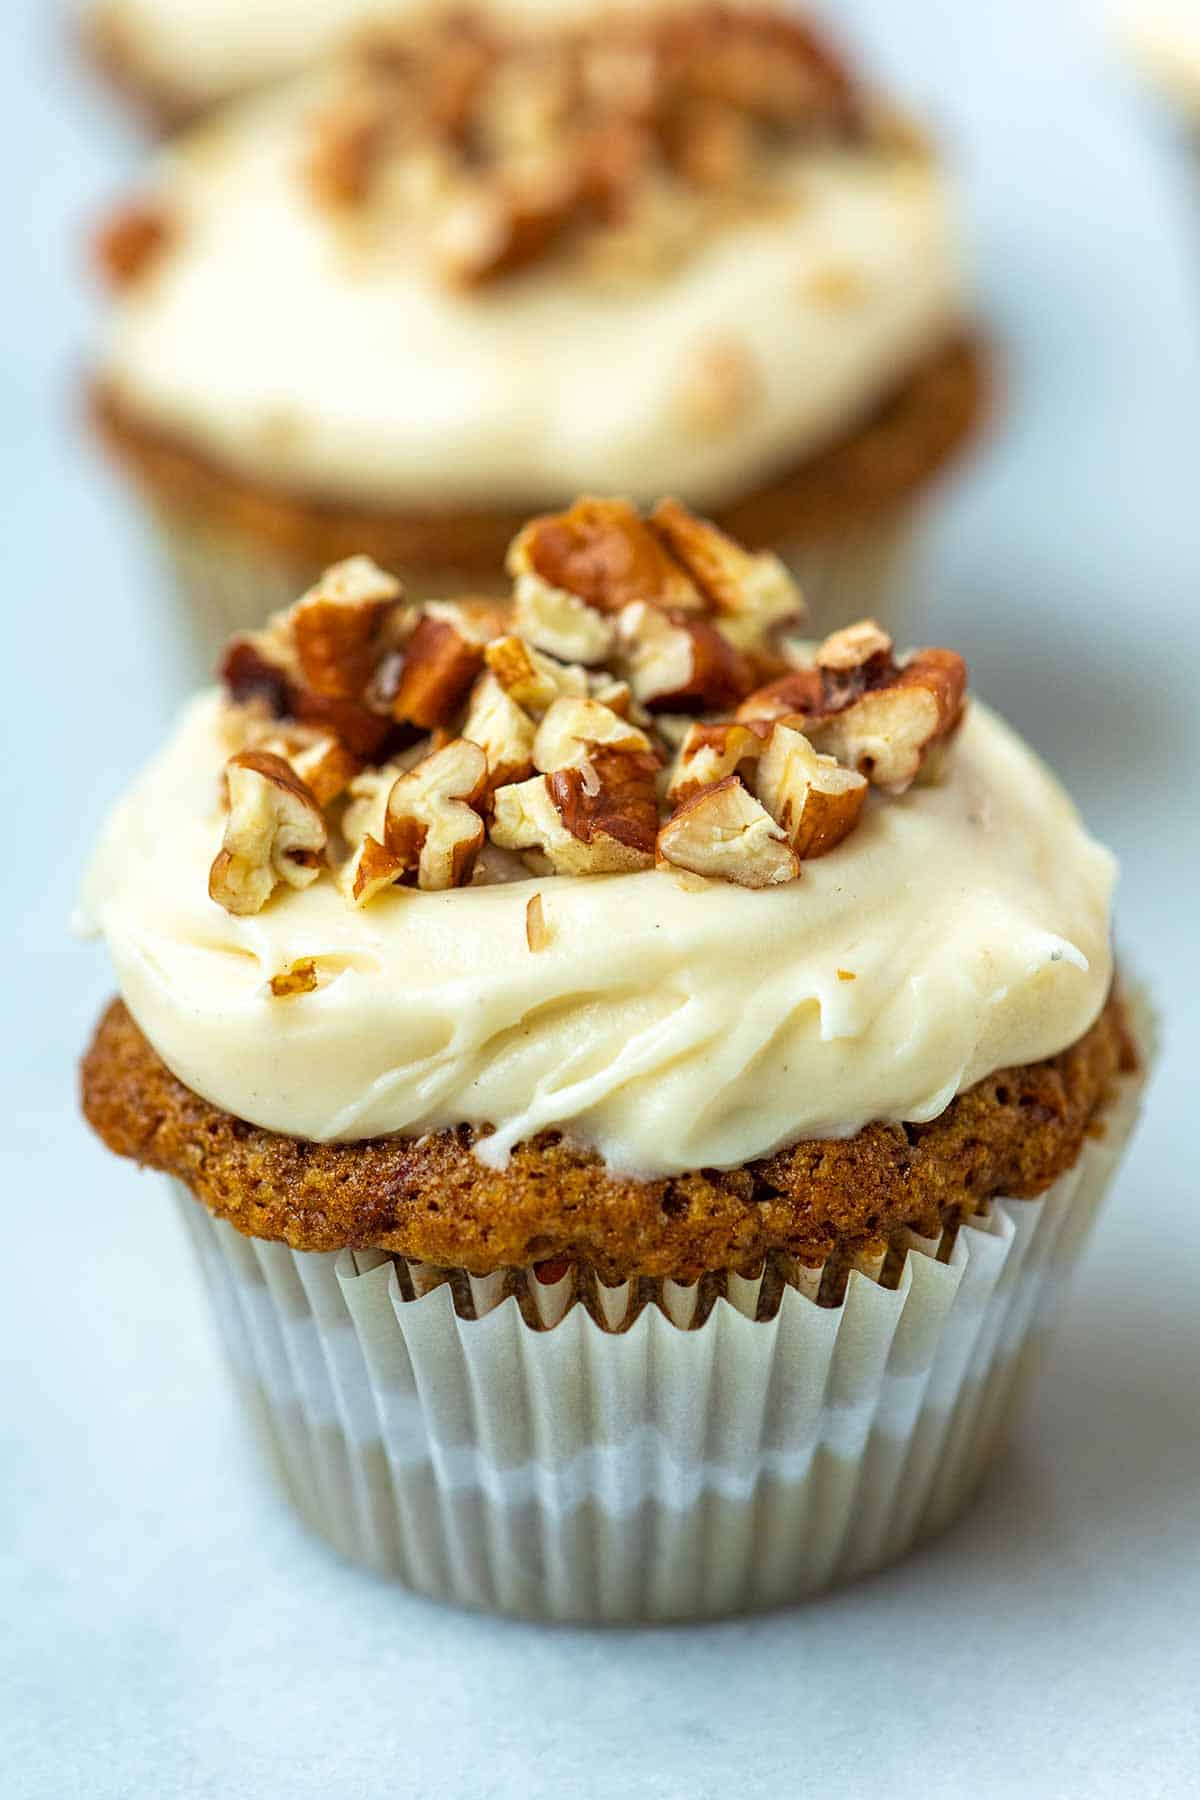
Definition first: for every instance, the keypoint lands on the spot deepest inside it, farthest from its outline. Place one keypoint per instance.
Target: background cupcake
(634, 1134)
(462, 280)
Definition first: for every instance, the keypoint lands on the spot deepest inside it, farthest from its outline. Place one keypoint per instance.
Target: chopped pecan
(753, 594)
(321, 760)
(537, 930)
(496, 227)
(595, 819)
(274, 833)
(441, 660)
(129, 241)
(338, 627)
(725, 833)
(431, 825)
(862, 653)
(719, 384)
(530, 678)
(314, 661)
(299, 977)
(678, 661)
(371, 868)
(502, 729)
(605, 554)
(812, 798)
(553, 620)
(710, 752)
(875, 715)
(888, 731)
(574, 729)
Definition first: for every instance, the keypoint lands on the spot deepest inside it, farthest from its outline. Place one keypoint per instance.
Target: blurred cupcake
(1164, 42)
(635, 1115)
(468, 278)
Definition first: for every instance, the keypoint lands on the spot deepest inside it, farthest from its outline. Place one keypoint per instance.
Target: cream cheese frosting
(292, 352)
(670, 1023)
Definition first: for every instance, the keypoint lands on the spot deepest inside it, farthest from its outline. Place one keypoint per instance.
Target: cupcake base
(524, 1452)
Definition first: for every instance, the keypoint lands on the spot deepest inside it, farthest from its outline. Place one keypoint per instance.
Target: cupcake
(465, 276)
(635, 1094)
(1164, 43)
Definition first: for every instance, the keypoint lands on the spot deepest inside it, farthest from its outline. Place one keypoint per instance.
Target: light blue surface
(165, 1629)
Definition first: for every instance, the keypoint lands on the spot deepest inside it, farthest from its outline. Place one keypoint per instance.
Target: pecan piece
(338, 627)
(753, 594)
(725, 833)
(129, 241)
(574, 729)
(594, 819)
(605, 554)
(530, 678)
(321, 761)
(441, 661)
(274, 833)
(502, 729)
(678, 661)
(431, 825)
(887, 733)
(710, 752)
(553, 620)
(812, 798)
(875, 715)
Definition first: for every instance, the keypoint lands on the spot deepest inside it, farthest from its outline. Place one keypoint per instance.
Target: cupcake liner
(226, 583)
(567, 1451)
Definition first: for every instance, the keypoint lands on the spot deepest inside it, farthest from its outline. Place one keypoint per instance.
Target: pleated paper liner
(563, 1450)
(224, 583)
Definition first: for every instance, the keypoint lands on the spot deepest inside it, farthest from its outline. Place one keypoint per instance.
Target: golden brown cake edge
(433, 1200)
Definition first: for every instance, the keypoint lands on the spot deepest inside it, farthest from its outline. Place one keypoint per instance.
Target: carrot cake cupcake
(634, 1094)
(468, 275)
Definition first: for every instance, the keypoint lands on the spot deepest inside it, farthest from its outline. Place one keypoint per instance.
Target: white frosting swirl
(671, 1024)
(294, 353)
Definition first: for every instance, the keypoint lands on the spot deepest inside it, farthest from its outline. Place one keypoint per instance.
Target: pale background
(165, 1628)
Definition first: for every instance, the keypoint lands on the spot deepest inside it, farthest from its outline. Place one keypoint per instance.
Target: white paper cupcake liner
(224, 583)
(585, 1467)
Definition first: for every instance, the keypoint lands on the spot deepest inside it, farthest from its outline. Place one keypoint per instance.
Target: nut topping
(431, 824)
(274, 833)
(503, 731)
(440, 662)
(678, 661)
(573, 730)
(129, 241)
(437, 745)
(752, 594)
(534, 681)
(873, 714)
(586, 821)
(709, 753)
(723, 832)
(889, 731)
(552, 620)
(496, 148)
(338, 625)
(602, 552)
(811, 797)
